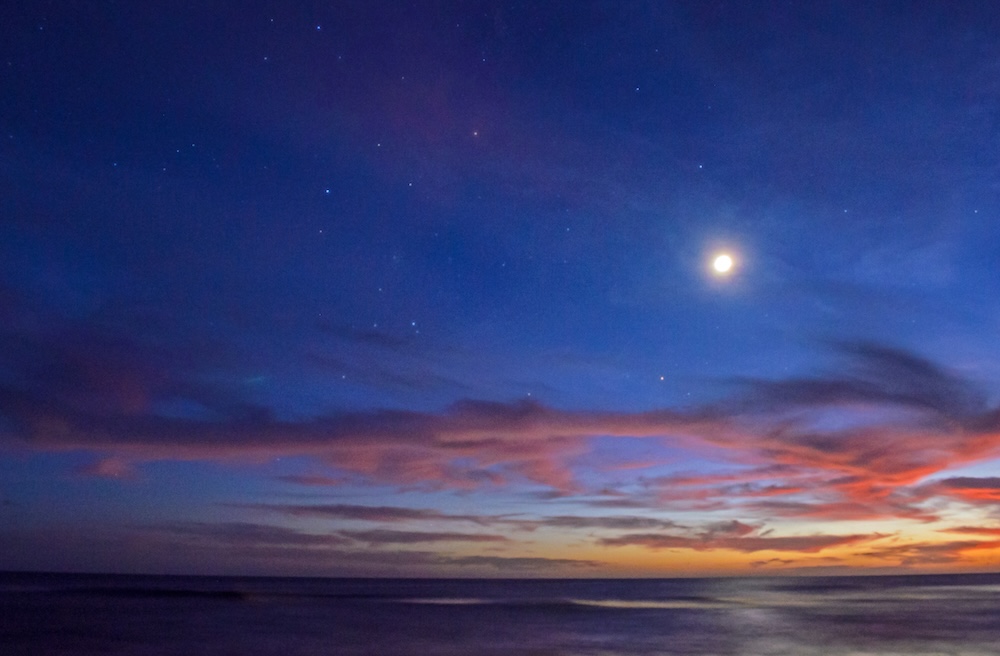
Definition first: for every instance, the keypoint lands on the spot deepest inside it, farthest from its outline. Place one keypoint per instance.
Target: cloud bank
(872, 440)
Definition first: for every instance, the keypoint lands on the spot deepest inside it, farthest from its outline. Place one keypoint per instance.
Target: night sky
(427, 289)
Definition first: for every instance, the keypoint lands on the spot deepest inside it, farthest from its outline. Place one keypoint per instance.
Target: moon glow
(722, 264)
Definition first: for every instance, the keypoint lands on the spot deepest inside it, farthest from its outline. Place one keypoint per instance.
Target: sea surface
(838, 616)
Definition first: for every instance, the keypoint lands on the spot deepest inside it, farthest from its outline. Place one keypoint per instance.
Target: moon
(722, 263)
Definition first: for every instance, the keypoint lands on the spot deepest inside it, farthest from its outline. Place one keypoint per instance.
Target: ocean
(837, 616)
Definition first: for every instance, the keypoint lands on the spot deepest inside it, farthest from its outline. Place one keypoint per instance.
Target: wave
(655, 604)
(447, 601)
(618, 604)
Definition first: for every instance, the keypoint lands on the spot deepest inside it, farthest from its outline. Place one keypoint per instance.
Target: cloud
(365, 513)
(315, 480)
(794, 492)
(741, 543)
(840, 510)
(243, 548)
(629, 522)
(523, 439)
(113, 468)
(397, 514)
(851, 444)
(102, 368)
(232, 533)
(267, 545)
(772, 561)
(624, 503)
(732, 528)
(975, 530)
(228, 534)
(383, 536)
(733, 535)
(990, 483)
(970, 489)
(876, 375)
(927, 553)
(514, 563)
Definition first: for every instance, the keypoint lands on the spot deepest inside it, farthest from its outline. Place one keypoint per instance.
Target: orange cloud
(897, 420)
(745, 544)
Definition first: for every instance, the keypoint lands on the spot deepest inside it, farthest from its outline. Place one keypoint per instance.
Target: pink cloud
(114, 468)
(915, 420)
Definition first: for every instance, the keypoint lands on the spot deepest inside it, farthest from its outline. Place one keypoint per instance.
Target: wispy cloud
(745, 544)
(627, 522)
(383, 536)
(366, 513)
(928, 553)
(399, 514)
(246, 547)
(852, 444)
(975, 530)
(113, 468)
(525, 563)
(970, 489)
(338, 550)
(315, 480)
(772, 561)
(245, 534)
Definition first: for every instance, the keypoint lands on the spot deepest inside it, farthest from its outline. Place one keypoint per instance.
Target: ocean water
(838, 616)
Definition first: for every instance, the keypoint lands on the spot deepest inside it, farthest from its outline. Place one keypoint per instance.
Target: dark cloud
(838, 509)
(241, 548)
(925, 553)
(733, 535)
(532, 564)
(772, 561)
(112, 360)
(969, 489)
(732, 528)
(245, 534)
(397, 514)
(384, 536)
(628, 523)
(315, 480)
(971, 483)
(875, 375)
(744, 544)
(370, 513)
